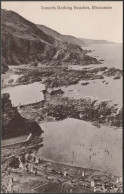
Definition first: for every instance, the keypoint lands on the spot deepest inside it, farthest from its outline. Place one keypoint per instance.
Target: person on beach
(82, 174)
(65, 172)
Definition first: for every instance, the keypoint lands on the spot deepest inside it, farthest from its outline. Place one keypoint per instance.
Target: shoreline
(56, 108)
(53, 173)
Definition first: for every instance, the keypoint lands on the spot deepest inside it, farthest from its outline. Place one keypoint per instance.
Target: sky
(102, 24)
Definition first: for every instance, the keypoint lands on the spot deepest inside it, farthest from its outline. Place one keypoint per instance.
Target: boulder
(85, 83)
(57, 92)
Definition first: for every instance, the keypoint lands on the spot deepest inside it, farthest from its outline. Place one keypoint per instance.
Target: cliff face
(24, 42)
(4, 66)
(13, 124)
(60, 37)
(90, 41)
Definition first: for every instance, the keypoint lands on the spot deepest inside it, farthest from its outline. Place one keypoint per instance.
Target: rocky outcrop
(88, 109)
(58, 107)
(113, 72)
(13, 124)
(4, 66)
(57, 92)
(59, 76)
(85, 83)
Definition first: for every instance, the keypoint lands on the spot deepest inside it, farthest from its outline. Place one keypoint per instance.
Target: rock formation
(57, 92)
(13, 124)
(116, 73)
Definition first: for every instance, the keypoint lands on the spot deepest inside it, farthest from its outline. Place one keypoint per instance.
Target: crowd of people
(28, 162)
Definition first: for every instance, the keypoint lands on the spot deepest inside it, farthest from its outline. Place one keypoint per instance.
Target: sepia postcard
(61, 97)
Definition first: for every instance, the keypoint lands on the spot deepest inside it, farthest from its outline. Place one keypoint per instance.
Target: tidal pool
(25, 94)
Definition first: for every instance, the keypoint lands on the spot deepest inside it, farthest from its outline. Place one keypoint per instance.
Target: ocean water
(110, 53)
(112, 56)
(79, 143)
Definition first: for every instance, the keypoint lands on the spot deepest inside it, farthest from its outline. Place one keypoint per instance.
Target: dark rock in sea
(118, 76)
(13, 124)
(85, 83)
(96, 124)
(113, 72)
(11, 81)
(87, 51)
(99, 69)
(56, 92)
(101, 77)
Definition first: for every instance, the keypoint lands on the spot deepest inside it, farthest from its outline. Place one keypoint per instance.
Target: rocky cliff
(60, 37)
(13, 124)
(24, 42)
(90, 41)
